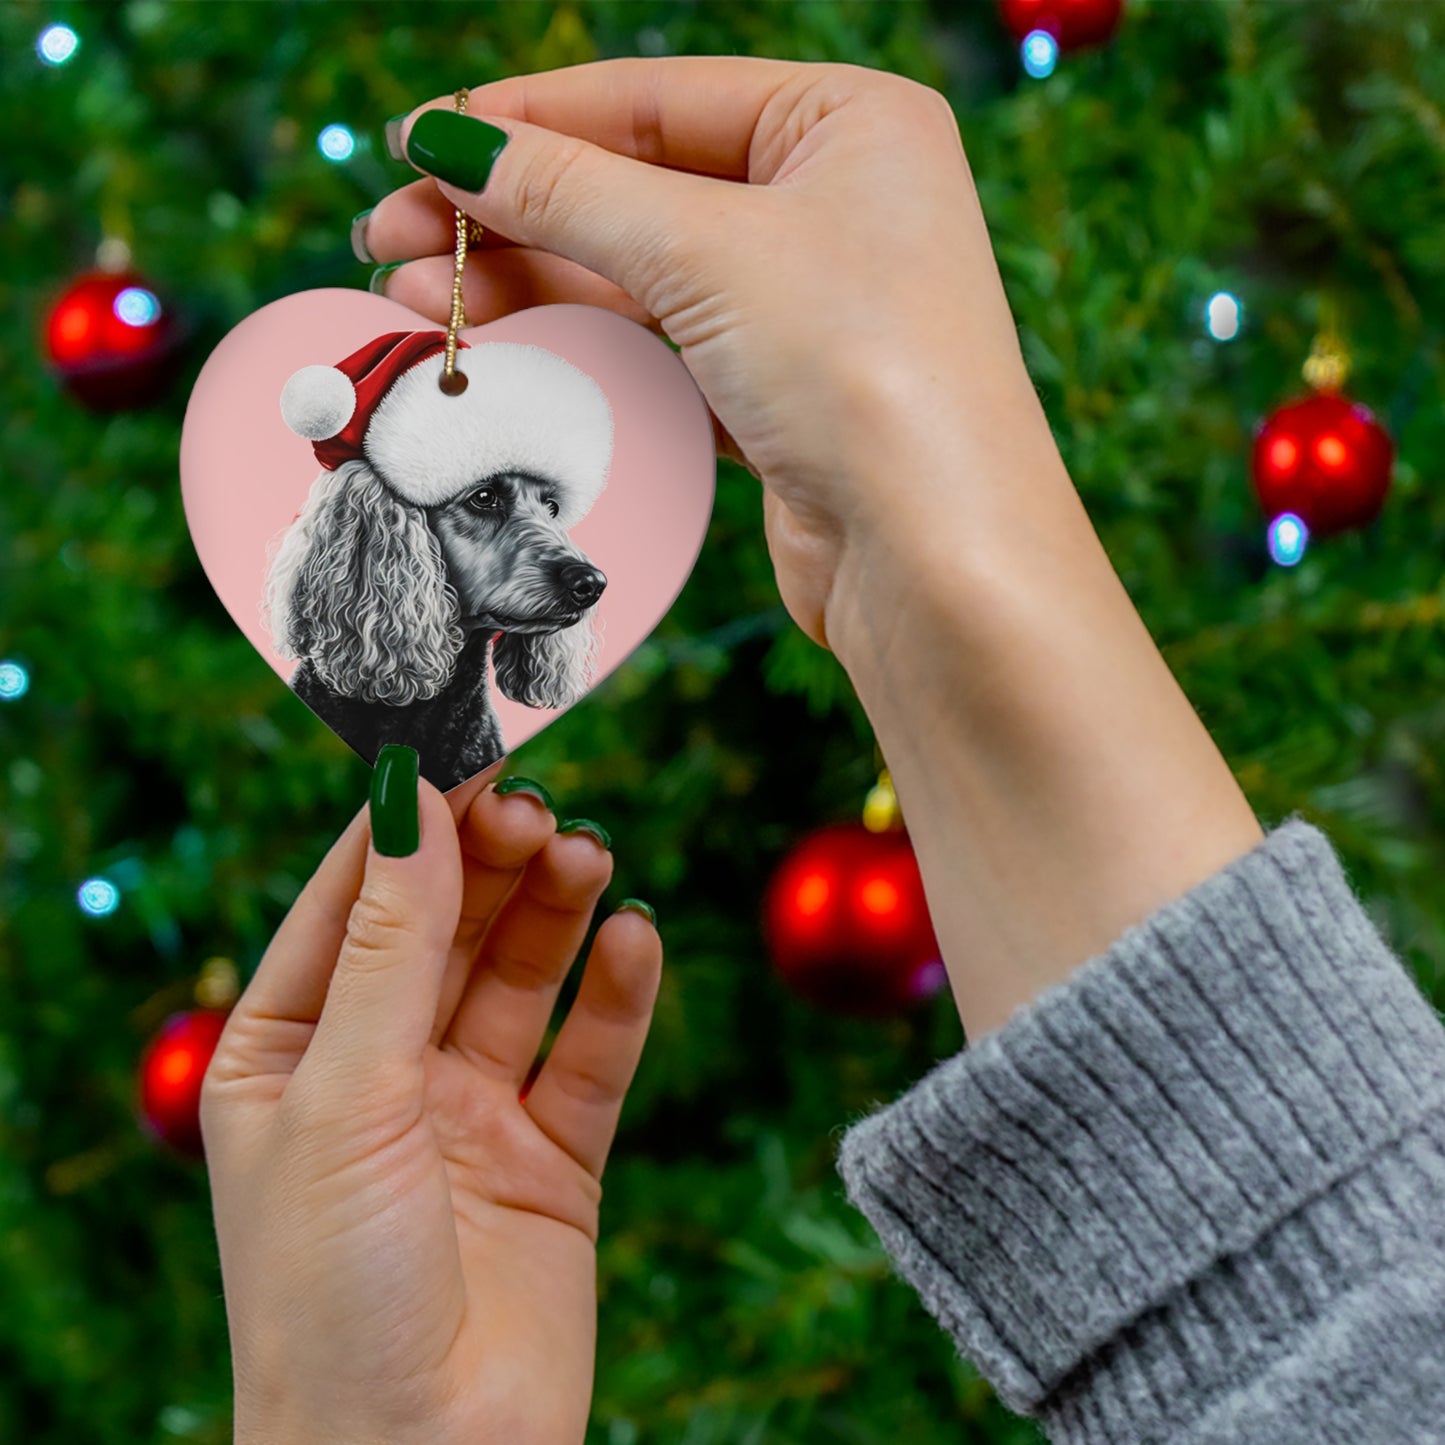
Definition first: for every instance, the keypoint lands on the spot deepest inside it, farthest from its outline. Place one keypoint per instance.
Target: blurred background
(1192, 204)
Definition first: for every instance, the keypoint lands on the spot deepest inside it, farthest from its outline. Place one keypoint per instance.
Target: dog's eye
(551, 504)
(484, 499)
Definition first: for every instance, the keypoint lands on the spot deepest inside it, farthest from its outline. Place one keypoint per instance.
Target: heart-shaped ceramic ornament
(446, 571)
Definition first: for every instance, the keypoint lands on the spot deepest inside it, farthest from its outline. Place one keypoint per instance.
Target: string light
(1288, 537)
(14, 681)
(137, 307)
(1040, 53)
(98, 897)
(57, 44)
(1223, 316)
(336, 143)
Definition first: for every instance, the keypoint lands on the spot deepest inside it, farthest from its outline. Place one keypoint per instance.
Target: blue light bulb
(14, 681)
(98, 897)
(1040, 53)
(137, 307)
(1288, 537)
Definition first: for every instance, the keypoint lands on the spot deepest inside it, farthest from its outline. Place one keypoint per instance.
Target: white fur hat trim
(525, 409)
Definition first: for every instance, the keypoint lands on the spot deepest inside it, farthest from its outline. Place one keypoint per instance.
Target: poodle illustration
(434, 542)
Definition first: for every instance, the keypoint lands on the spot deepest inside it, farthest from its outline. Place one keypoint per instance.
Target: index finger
(695, 113)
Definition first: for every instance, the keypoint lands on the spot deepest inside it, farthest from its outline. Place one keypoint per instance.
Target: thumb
(382, 999)
(628, 221)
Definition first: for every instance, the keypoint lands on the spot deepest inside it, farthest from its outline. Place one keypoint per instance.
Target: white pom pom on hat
(331, 406)
(317, 402)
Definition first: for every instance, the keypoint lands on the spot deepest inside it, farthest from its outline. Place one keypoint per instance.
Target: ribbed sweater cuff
(1125, 1175)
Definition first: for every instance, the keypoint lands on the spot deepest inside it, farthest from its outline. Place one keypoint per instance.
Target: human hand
(838, 304)
(408, 1248)
(810, 237)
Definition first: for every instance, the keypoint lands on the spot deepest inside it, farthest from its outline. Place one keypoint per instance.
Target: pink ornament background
(245, 475)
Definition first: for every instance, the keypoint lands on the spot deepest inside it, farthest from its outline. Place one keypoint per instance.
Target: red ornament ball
(171, 1071)
(111, 341)
(1073, 23)
(847, 924)
(1324, 458)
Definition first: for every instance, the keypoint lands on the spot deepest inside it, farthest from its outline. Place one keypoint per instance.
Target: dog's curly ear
(547, 669)
(357, 585)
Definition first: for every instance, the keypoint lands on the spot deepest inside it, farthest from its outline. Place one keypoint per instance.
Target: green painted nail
(514, 784)
(455, 148)
(586, 825)
(393, 136)
(359, 248)
(377, 284)
(395, 820)
(636, 905)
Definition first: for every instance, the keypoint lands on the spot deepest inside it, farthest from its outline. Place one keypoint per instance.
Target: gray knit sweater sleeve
(1197, 1191)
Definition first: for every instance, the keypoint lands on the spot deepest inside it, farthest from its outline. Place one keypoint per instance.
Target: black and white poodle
(434, 542)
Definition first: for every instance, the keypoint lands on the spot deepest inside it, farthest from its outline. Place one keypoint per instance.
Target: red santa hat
(524, 409)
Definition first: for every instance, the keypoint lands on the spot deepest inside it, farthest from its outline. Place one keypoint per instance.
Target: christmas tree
(1179, 215)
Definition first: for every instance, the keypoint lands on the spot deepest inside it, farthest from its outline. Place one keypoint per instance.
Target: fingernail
(395, 814)
(393, 136)
(455, 148)
(586, 825)
(377, 284)
(636, 905)
(514, 784)
(359, 248)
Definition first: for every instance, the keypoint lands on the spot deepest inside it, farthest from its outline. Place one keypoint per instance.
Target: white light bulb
(336, 143)
(57, 44)
(1223, 316)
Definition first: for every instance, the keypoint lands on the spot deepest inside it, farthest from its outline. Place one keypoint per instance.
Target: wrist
(1057, 784)
(946, 518)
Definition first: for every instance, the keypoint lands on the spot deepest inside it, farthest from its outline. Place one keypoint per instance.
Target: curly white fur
(358, 586)
(548, 669)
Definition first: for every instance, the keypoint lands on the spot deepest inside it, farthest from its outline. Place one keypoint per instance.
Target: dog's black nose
(582, 583)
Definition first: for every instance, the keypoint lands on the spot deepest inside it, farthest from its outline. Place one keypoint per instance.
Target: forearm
(1056, 782)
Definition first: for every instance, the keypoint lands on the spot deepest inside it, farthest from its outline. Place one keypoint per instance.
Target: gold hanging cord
(454, 382)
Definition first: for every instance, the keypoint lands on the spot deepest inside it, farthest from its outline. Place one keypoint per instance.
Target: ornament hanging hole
(453, 385)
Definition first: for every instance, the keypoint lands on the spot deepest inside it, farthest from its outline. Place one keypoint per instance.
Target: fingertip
(579, 859)
(642, 909)
(505, 830)
(629, 950)
(410, 816)
(418, 285)
(461, 797)
(413, 858)
(395, 809)
(395, 133)
(630, 933)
